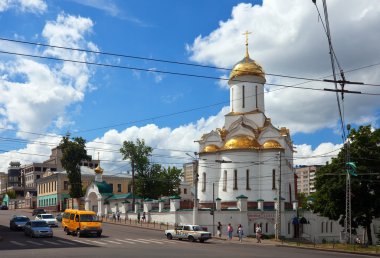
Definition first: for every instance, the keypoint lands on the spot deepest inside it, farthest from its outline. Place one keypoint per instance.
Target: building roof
(103, 187)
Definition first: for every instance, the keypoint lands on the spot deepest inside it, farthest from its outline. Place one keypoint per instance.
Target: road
(127, 241)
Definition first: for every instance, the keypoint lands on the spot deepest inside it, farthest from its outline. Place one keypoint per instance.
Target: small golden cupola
(247, 66)
(98, 172)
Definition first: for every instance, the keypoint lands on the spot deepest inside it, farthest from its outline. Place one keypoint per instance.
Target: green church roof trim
(161, 200)
(148, 200)
(103, 187)
(174, 197)
(282, 198)
(242, 197)
(218, 199)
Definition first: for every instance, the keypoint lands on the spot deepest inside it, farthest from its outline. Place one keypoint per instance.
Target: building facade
(53, 187)
(306, 178)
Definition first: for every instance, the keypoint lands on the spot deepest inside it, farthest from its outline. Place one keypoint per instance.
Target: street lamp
(195, 184)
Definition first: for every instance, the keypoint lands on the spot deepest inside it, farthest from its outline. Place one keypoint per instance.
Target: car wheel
(179, 238)
(78, 234)
(169, 236)
(202, 240)
(191, 239)
(67, 231)
(98, 234)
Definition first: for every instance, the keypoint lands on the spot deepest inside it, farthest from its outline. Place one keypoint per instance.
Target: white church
(243, 170)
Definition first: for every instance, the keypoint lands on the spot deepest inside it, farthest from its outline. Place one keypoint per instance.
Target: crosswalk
(101, 242)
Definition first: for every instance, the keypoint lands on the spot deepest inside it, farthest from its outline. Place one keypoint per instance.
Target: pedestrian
(138, 217)
(143, 216)
(230, 229)
(118, 215)
(240, 233)
(219, 228)
(113, 216)
(258, 233)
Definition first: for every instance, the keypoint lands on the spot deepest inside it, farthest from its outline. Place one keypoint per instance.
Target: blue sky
(40, 98)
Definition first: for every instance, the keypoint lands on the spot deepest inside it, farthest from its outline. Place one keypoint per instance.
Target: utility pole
(133, 184)
(195, 185)
(347, 222)
(278, 211)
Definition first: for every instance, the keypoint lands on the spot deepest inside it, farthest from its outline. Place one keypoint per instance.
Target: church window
(288, 228)
(204, 182)
(243, 97)
(225, 181)
(235, 180)
(256, 97)
(232, 99)
(118, 188)
(290, 193)
(185, 191)
(331, 226)
(273, 179)
(247, 182)
(322, 227)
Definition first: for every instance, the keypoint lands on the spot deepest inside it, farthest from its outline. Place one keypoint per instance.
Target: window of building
(327, 227)
(266, 227)
(235, 180)
(38, 176)
(290, 193)
(225, 181)
(232, 99)
(273, 179)
(204, 182)
(185, 191)
(243, 97)
(111, 185)
(118, 188)
(331, 226)
(247, 182)
(65, 185)
(322, 227)
(288, 228)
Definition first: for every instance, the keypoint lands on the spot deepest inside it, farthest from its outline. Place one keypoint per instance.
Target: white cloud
(223, 82)
(32, 6)
(305, 155)
(34, 94)
(288, 39)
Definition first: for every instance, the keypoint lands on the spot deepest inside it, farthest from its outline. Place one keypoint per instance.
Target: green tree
(11, 194)
(73, 152)
(364, 149)
(170, 179)
(138, 155)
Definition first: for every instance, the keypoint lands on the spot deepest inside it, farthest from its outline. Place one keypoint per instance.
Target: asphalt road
(126, 241)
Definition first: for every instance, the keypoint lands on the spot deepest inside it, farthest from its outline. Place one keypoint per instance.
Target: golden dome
(242, 142)
(247, 66)
(271, 144)
(98, 170)
(211, 148)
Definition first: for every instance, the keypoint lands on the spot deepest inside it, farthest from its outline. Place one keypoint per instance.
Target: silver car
(18, 222)
(38, 228)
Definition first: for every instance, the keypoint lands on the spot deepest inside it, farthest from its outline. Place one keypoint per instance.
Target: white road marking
(113, 242)
(50, 242)
(152, 241)
(78, 241)
(34, 243)
(65, 242)
(135, 240)
(17, 243)
(125, 241)
(97, 242)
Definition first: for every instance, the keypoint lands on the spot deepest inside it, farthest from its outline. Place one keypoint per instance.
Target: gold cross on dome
(246, 43)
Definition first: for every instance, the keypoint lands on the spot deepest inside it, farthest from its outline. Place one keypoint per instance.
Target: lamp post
(195, 185)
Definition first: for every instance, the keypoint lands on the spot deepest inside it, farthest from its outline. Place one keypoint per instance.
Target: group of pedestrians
(239, 232)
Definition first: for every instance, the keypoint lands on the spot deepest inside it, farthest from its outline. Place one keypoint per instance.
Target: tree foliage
(73, 152)
(11, 194)
(151, 180)
(364, 150)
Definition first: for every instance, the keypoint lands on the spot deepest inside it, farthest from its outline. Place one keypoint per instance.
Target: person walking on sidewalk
(258, 233)
(240, 233)
(230, 229)
(219, 228)
(118, 216)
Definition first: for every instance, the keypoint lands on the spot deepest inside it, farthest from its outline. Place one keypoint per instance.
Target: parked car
(48, 218)
(3, 207)
(59, 216)
(38, 211)
(189, 232)
(37, 228)
(18, 222)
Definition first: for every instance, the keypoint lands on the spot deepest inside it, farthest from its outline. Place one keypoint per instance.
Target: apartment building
(306, 178)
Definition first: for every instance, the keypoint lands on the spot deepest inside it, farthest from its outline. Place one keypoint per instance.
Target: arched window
(204, 181)
(235, 180)
(225, 181)
(273, 179)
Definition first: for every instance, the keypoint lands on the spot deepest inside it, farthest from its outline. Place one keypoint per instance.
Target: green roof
(242, 197)
(282, 198)
(218, 199)
(103, 187)
(122, 196)
(175, 197)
